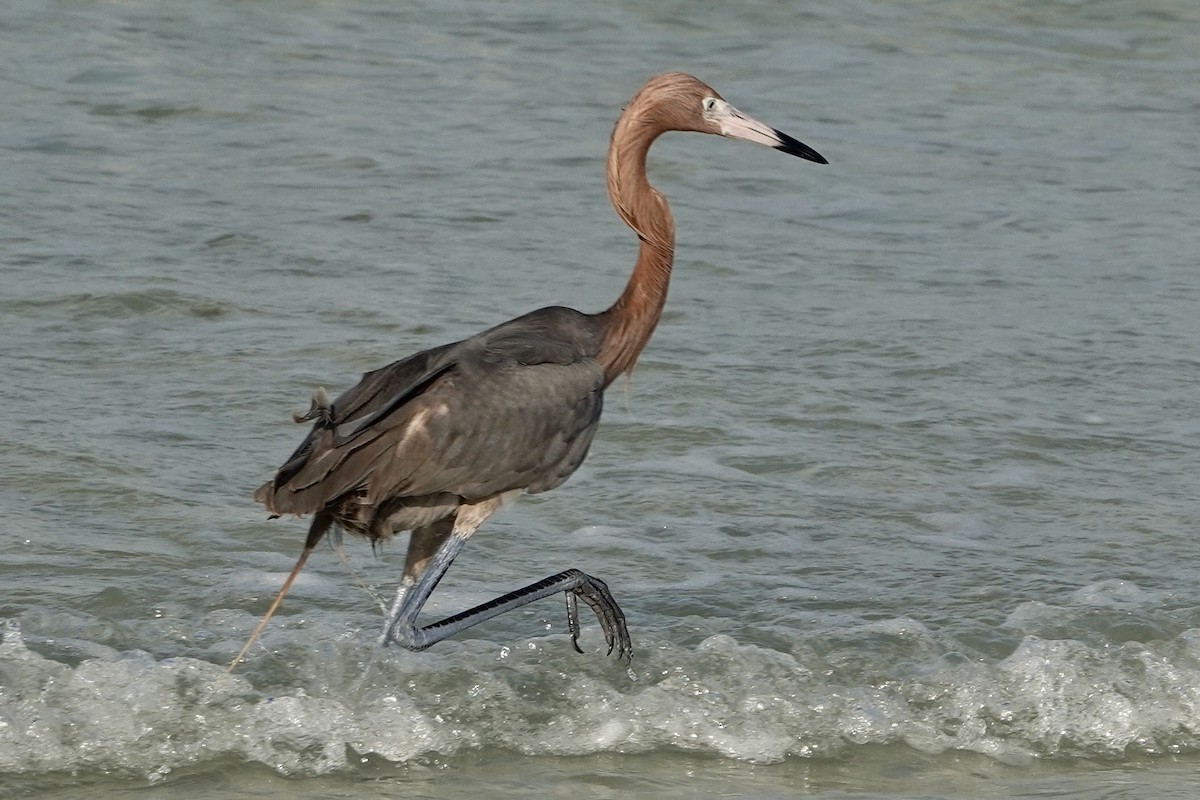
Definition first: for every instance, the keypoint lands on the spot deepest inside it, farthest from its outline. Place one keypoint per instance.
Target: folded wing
(515, 407)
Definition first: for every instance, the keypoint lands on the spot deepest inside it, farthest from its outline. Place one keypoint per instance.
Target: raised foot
(612, 620)
(401, 627)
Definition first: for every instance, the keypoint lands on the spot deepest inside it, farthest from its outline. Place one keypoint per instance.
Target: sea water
(899, 501)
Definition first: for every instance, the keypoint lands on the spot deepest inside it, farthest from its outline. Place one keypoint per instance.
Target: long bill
(737, 125)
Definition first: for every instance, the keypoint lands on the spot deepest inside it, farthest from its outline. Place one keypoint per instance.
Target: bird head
(685, 103)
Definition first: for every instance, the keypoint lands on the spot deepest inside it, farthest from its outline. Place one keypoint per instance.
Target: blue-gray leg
(402, 625)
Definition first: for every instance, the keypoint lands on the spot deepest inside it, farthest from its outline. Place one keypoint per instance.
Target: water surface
(899, 501)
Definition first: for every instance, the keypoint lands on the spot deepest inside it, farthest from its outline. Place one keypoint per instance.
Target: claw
(573, 620)
(612, 621)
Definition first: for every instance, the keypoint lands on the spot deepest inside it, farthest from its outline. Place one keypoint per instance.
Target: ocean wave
(133, 713)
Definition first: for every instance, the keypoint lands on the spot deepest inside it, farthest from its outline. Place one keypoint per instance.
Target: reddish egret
(437, 442)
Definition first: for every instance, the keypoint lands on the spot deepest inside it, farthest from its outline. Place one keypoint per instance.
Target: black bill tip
(794, 147)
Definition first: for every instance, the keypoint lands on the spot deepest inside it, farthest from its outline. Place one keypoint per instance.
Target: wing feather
(515, 407)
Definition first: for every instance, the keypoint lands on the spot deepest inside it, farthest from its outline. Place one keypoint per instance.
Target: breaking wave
(306, 710)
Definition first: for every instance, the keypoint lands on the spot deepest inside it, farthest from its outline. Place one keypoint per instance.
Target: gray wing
(513, 408)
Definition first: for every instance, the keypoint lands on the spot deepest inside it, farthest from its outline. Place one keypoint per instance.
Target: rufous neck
(631, 320)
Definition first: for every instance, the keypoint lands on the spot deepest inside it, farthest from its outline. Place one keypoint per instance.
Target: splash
(1051, 698)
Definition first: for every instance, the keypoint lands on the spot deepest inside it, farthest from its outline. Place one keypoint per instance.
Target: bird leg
(401, 626)
(320, 525)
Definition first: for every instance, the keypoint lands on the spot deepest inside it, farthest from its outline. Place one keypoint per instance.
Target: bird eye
(709, 103)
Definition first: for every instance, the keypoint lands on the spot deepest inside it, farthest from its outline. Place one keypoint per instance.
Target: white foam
(129, 712)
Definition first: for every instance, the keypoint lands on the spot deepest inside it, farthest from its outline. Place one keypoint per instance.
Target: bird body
(411, 430)
(438, 441)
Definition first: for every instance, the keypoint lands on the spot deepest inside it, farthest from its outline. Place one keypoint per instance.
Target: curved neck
(630, 321)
